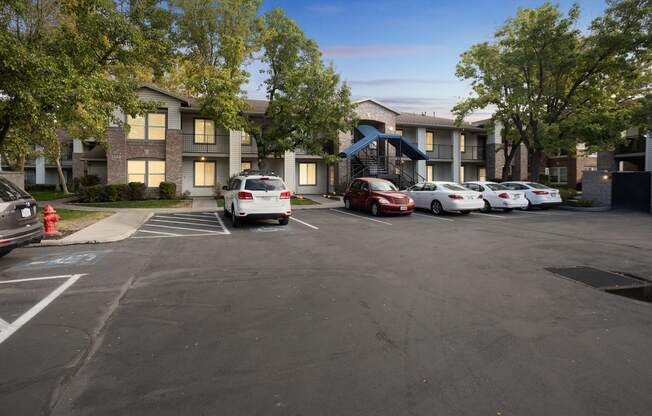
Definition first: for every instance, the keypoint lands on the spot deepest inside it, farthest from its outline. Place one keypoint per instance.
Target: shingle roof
(411, 119)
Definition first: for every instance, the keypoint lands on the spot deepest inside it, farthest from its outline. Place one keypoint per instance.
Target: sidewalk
(117, 227)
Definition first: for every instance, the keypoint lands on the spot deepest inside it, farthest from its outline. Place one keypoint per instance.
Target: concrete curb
(112, 239)
(583, 209)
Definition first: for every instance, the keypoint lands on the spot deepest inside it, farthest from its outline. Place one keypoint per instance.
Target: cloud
(400, 81)
(367, 51)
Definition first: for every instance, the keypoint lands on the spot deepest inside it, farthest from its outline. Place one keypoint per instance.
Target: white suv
(258, 196)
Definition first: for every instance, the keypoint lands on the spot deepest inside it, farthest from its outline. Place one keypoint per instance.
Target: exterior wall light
(202, 158)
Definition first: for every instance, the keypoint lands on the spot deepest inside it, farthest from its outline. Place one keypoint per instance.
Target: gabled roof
(378, 103)
(411, 119)
(153, 87)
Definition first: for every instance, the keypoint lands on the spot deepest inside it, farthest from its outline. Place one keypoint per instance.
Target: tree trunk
(262, 162)
(20, 164)
(62, 178)
(534, 164)
(4, 130)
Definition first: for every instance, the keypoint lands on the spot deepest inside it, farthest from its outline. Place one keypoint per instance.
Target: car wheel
(347, 203)
(436, 208)
(4, 252)
(465, 212)
(226, 212)
(283, 221)
(507, 210)
(375, 209)
(235, 222)
(528, 207)
(487, 207)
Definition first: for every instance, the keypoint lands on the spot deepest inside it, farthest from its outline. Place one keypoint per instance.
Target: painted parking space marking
(489, 215)
(84, 258)
(304, 223)
(182, 225)
(31, 279)
(7, 329)
(360, 216)
(433, 217)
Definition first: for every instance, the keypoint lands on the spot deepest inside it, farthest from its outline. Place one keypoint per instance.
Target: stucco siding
(221, 175)
(322, 178)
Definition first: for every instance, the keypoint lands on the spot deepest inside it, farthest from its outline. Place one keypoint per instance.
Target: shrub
(217, 191)
(41, 187)
(137, 191)
(89, 180)
(567, 193)
(582, 203)
(92, 193)
(167, 190)
(116, 192)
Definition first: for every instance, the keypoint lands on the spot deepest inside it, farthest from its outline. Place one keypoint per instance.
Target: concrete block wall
(596, 187)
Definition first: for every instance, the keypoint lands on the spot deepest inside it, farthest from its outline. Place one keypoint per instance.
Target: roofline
(377, 103)
(467, 127)
(164, 92)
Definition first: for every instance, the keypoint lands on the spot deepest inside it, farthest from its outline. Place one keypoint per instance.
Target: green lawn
(304, 201)
(148, 203)
(49, 195)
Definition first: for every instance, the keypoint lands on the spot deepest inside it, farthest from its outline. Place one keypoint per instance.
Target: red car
(378, 196)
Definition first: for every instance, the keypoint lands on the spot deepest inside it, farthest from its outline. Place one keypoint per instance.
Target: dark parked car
(378, 196)
(18, 224)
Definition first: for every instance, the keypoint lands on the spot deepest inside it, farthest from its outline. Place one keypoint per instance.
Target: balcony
(249, 147)
(473, 153)
(632, 146)
(440, 151)
(199, 143)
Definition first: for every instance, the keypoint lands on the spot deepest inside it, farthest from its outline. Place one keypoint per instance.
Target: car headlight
(383, 201)
(410, 201)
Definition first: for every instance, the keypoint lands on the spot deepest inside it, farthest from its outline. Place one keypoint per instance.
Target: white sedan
(537, 194)
(440, 197)
(498, 196)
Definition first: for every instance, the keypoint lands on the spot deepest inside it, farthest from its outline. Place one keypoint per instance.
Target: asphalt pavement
(337, 313)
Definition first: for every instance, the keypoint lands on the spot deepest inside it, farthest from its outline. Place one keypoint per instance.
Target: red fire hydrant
(50, 217)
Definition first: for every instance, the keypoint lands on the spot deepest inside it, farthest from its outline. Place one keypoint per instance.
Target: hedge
(40, 187)
(112, 192)
(167, 190)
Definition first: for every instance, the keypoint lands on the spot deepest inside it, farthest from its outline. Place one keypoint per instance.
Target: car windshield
(383, 186)
(10, 192)
(537, 185)
(453, 187)
(264, 184)
(496, 187)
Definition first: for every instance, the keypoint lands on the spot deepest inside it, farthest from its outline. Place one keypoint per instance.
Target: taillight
(540, 192)
(455, 196)
(503, 195)
(480, 196)
(245, 195)
(285, 195)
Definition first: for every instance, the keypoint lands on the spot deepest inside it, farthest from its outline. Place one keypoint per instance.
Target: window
(558, 174)
(382, 186)
(416, 188)
(150, 126)
(10, 192)
(399, 132)
(462, 143)
(246, 139)
(454, 187)
(204, 131)
(356, 185)
(430, 187)
(461, 173)
(430, 173)
(264, 185)
(149, 172)
(245, 166)
(589, 168)
(472, 186)
(430, 141)
(204, 173)
(482, 174)
(307, 174)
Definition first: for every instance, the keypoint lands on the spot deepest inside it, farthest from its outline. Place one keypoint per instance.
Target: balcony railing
(632, 146)
(201, 143)
(250, 146)
(473, 153)
(440, 151)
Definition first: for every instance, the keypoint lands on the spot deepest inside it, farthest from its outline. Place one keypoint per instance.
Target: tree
(559, 86)
(308, 106)
(216, 40)
(70, 63)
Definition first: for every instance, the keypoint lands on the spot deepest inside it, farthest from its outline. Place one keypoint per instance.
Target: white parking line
(304, 223)
(200, 216)
(63, 276)
(226, 230)
(158, 232)
(3, 324)
(360, 216)
(180, 228)
(489, 215)
(187, 223)
(8, 330)
(209, 220)
(177, 235)
(433, 217)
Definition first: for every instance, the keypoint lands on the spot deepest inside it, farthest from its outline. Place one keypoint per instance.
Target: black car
(18, 223)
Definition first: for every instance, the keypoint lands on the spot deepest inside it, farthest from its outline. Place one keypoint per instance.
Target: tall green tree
(560, 86)
(216, 40)
(70, 63)
(308, 106)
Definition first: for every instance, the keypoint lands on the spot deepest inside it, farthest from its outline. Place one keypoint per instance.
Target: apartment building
(634, 155)
(177, 143)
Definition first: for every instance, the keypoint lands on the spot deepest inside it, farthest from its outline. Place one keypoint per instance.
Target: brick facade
(174, 158)
(495, 159)
(116, 156)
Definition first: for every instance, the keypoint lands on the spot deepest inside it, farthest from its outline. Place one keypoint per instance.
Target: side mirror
(225, 188)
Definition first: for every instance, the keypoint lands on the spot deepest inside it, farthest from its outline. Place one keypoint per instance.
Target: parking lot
(338, 312)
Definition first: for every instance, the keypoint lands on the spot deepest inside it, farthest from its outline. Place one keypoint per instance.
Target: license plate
(26, 212)
(403, 208)
(517, 196)
(554, 195)
(267, 198)
(470, 197)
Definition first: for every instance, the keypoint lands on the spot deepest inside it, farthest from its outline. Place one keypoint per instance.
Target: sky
(403, 53)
